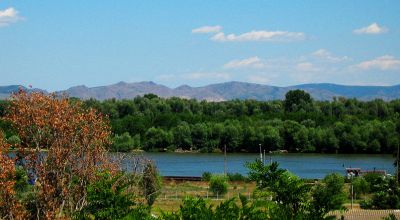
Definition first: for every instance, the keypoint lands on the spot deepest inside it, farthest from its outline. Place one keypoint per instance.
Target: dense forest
(296, 124)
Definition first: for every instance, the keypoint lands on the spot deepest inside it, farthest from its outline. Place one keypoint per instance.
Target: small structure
(357, 172)
(353, 172)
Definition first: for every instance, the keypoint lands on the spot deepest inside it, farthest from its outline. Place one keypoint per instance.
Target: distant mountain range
(222, 91)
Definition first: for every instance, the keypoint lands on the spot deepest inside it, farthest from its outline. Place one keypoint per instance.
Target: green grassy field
(174, 191)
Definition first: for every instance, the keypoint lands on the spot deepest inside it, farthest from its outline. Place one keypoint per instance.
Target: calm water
(303, 165)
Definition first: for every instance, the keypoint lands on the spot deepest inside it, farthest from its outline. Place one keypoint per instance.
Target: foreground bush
(328, 195)
(150, 183)
(199, 209)
(291, 197)
(107, 198)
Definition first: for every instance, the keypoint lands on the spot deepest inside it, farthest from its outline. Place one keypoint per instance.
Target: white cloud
(328, 56)
(262, 35)
(207, 29)
(252, 62)
(373, 28)
(381, 63)
(258, 79)
(306, 67)
(8, 16)
(206, 75)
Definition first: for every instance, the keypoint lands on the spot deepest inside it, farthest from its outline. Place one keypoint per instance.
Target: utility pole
(397, 165)
(225, 166)
(352, 191)
(264, 157)
(270, 159)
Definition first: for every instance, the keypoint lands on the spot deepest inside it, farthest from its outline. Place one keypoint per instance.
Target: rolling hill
(223, 91)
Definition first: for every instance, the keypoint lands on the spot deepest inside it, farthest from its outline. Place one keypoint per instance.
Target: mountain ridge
(221, 91)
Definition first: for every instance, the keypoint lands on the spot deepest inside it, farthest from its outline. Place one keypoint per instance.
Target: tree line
(297, 124)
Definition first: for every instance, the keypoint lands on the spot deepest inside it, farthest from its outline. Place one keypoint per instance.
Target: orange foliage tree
(10, 208)
(74, 140)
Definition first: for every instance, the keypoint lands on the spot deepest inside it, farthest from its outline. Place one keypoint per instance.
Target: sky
(54, 45)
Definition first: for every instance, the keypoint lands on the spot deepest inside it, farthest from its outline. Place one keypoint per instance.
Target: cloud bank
(255, 35)
(207, 29)
(9, 16)
(373, 28)
(385, 62)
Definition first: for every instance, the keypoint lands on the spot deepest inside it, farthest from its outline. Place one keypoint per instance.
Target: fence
(362, 214)
(180, 194)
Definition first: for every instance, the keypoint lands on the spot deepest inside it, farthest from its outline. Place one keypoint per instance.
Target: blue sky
(58, 44)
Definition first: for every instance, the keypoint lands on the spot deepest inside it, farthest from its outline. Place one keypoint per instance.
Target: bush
(388, 195)
(206, 176)
(198, 208)
(375, 181)
(108, 198)
(360, 186)
(236, 177)
(21, 181)
(328, 195)
(151, 183)
(13, 141)
(218, 184)
(366, 204)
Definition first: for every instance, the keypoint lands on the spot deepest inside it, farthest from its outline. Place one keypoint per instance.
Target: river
(313, 166)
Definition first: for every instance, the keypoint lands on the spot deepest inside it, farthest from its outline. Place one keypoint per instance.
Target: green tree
(360, 186)
(296, 100)
(290, 192)
(123, 143)
(182, 136)
(328, 195)
(157, 138)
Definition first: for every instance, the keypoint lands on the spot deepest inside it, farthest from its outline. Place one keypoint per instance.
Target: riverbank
(309, 166)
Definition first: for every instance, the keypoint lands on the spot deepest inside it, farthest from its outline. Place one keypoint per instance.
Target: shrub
(391, 216)
(150, 183)
(236, 177)
(198, 208)
(108, 198)
(218, 184)
(387, 196)
(366, 204)
(328, 195)
(13, 141)
(206, 176)
(21, 180)
(375, 181)
(360, 186)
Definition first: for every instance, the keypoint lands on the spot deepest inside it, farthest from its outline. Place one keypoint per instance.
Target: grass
(174, 191)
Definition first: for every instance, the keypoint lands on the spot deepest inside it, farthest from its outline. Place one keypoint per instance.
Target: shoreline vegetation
(298, 124)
